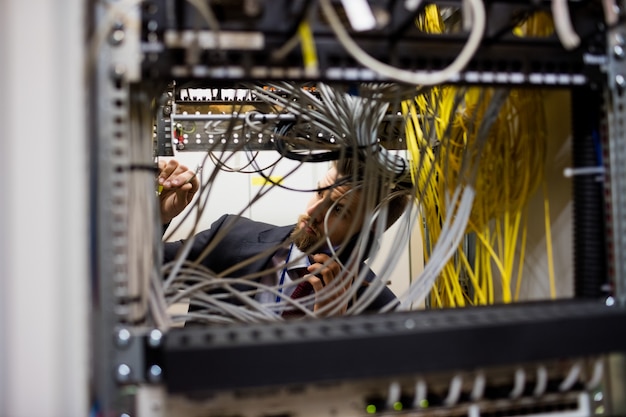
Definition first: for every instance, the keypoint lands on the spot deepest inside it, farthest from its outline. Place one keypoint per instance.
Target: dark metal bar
(239, 356)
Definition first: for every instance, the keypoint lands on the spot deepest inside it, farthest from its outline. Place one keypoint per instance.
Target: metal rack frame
(136, 60)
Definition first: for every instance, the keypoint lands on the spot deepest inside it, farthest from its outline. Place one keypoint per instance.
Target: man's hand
(178, 185)
(325, 273)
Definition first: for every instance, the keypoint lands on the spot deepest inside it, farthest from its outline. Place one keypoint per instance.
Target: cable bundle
(351, 134)
(444, 131)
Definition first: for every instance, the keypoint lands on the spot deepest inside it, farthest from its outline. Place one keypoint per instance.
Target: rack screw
(154, 373)
(123, 338)
(117, 34)
(123, 373)
(155, 338)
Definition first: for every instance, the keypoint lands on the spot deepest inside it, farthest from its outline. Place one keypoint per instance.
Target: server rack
(140, 47)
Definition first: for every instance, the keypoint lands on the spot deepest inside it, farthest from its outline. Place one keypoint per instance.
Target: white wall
(535, 282)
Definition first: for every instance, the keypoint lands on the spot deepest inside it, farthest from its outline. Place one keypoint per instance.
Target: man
(323, 244)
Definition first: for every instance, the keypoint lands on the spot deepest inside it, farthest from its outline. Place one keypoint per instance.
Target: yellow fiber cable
(520, 265)
(546, 205)
(510, 171)
(479, 295)
(307, 42)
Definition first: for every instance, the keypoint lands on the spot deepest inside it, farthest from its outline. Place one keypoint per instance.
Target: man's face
(344, 219)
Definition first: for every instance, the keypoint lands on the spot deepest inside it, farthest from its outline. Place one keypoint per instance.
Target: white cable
(466, 14)
(611, 12)
(456, 219)
(452, 233)
(412, 5)
(204, 8)
(454, 391)
(418, 77)
(142, 225)
(359, 14)
(407, 221)
(563, 25)
(158, 304)
(571, 377)
(570, 172)
(518, 384)
(355, 122)
(542, 381)
(376, 286)
(596, 376)
(421, 394)
(478, 389)
(393, 395)
(473, 410)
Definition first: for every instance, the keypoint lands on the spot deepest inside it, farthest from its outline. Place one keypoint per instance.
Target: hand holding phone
(324, 271)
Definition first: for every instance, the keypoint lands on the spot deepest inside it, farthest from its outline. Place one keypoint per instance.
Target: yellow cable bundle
(511, 169)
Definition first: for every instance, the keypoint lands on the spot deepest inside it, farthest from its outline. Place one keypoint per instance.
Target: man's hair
(385, 187)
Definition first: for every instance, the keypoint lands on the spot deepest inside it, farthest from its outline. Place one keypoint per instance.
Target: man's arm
(201, 240)
(178, 185)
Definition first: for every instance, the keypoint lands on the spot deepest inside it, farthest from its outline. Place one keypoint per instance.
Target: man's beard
(302, 239)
